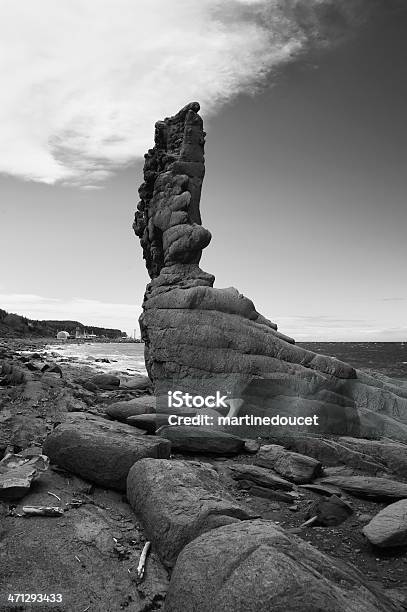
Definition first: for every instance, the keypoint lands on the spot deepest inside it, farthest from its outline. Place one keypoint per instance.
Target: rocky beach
(90, 551)
(106, 505)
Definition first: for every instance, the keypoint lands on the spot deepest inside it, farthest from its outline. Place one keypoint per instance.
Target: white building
(62, 335)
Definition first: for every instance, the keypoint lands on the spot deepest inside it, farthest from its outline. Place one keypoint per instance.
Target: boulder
(380, 489)
(178, 500)
(259, 476)
(330, 512)
(101, 451)
(120, 411)
(251, 446)
(389, 527)
(108, 382)
(200, 440)
(136, 381)
(293, 466)
(255, 566)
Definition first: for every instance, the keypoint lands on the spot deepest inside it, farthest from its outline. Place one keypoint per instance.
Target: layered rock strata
(201, 339)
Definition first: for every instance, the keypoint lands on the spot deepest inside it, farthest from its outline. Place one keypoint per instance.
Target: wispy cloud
(88, 312)
(82, 82)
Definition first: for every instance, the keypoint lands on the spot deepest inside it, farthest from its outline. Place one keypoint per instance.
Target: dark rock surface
(259, 476)
(120, 411)
(293, 466)
(105, 381)
(101, 451)
(254, 566)
(369, 487)
(330, 512)
(336, 452)
(201, 440)
(178, 500)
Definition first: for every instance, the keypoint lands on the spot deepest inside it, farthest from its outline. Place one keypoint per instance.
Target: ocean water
(123, 356)
(389, 358)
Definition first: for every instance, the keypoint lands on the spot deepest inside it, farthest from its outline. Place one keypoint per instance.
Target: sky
(305, 188)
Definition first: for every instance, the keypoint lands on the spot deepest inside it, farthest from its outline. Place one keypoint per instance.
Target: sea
(389, 358)
(126, 357)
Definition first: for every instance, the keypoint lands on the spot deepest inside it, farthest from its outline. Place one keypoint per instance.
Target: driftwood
(42, 511)
(143, 560)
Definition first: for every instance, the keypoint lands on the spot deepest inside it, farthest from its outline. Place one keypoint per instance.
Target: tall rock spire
(201, 339)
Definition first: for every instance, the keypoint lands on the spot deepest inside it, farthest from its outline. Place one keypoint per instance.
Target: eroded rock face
(201, 339)
(254, 566)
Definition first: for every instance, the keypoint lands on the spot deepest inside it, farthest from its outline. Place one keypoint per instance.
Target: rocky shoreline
(203, 508)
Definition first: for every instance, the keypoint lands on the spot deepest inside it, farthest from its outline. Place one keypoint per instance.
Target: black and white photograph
(203, 306)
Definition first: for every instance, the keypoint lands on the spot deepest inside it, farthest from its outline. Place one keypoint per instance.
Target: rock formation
(201, 339)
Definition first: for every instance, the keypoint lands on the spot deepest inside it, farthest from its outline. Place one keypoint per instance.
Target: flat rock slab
(120, 411)
(381, 489)
(326, 491)
(201, 440)
(392, 454)
(389, 527)
(102, 451)
(17, 473)
(332, 453)
(178, 500)
(293, 466)
(257, 491)
(259, 476)
(255, 566)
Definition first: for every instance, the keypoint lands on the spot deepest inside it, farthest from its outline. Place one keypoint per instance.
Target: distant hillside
(16, 326)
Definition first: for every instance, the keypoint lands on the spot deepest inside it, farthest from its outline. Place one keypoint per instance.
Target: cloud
(83, 81)
(88, 312)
